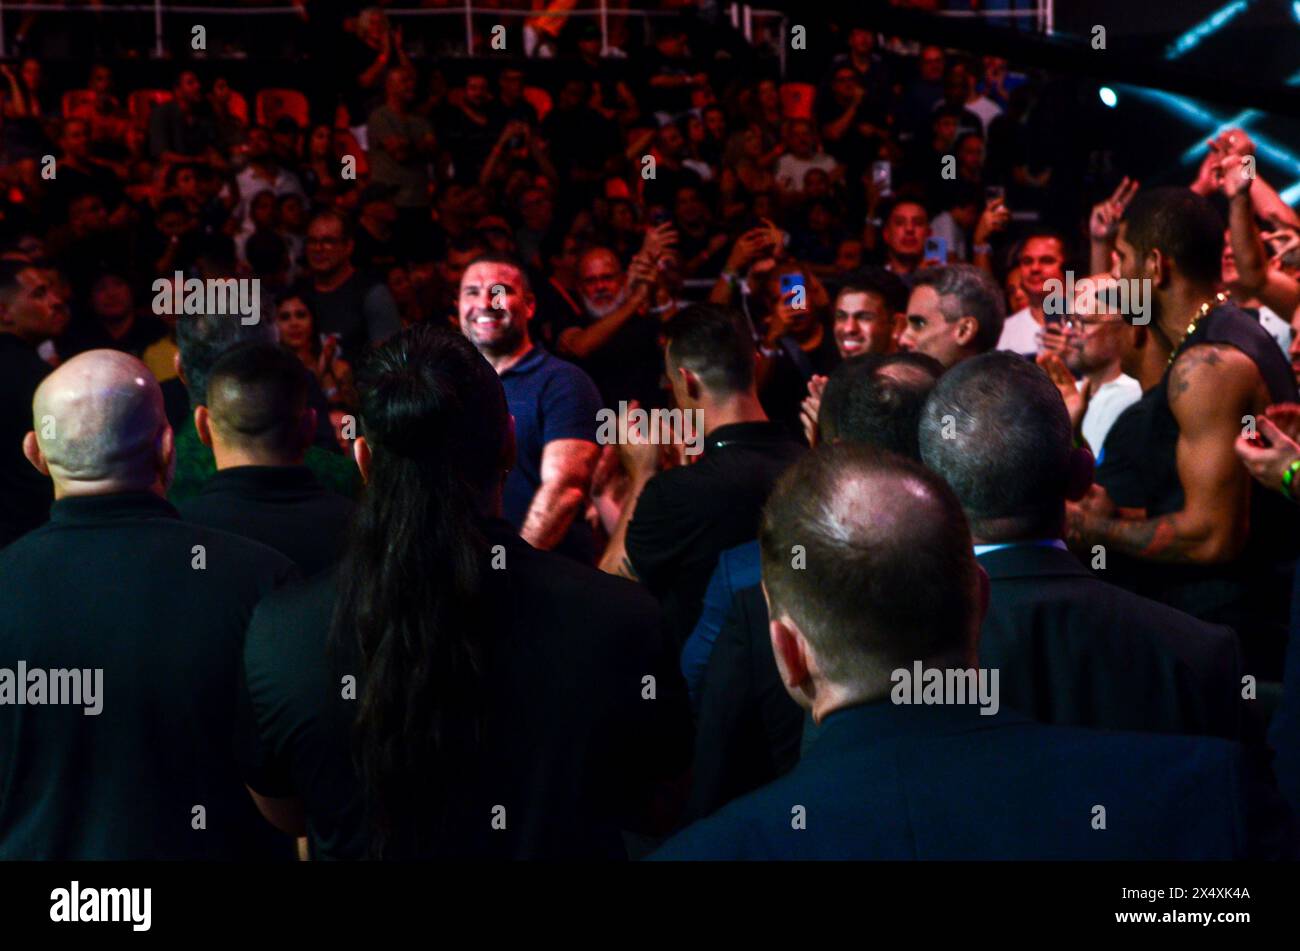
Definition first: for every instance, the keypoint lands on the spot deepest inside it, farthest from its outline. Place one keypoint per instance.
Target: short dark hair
(965, 290)
(266, 252)
(716, 344)
(506, 260)
(1044, 234)
(1183, 225)
(329, 213)
(876, 400)
(997, 430)
(877, 280)
(257, 394)
(887, 574)
(203, 338)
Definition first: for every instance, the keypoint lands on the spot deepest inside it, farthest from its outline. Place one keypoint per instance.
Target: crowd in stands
(301, 448)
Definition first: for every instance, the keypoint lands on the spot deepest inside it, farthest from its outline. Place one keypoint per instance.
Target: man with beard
(616, 340)
(347, 302)
(1084, 363)
(554, 405)
(1195, 535)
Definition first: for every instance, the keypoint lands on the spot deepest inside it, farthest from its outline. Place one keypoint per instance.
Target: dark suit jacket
(748, 729)
(886, 781)
(283, 507)
(118, 583)
(1076, 651)
(572, 744)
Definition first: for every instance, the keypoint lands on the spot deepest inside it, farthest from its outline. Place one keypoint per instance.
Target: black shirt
(25, 494)
(569, 744)
(687, 516)
(112, 584)
(283, 507)
(1140, 459)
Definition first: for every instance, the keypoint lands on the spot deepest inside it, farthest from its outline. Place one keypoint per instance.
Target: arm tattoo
(1151, 539)
(1187, 365)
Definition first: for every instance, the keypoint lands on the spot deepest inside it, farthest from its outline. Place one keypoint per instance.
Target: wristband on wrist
(1288, 477)
(983, 249)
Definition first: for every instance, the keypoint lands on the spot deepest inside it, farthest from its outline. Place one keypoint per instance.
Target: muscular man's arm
(567, 468)
(1211, 387)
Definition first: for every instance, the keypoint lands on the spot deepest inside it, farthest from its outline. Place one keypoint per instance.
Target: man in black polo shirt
(676, 523)
(258, 425)
(31, 311)
(138, 618)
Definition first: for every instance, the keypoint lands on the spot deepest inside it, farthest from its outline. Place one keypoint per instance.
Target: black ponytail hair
(411, 603)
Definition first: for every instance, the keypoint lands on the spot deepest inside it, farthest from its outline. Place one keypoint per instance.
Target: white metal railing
(741, 15)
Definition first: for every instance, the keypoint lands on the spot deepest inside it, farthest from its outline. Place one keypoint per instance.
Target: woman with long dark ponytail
(411, 591)
(450, 691)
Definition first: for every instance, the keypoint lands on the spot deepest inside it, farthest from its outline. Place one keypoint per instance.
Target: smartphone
(994, 193)
(790, 281)
(882, 176)
(936, 250)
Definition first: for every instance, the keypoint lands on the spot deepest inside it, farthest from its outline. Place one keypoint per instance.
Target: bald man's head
(868, 555)
(99, 427)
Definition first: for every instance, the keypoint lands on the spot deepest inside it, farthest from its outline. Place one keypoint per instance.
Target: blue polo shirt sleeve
(569, 404)
(737, 568)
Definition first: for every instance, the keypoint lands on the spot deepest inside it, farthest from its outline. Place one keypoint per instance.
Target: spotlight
(1108, 97)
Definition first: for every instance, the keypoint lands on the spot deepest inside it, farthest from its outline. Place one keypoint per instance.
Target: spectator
(345, 301)
(1041, 258)
(554, 405)
(401, 149)
(32, 311)
(954, 313)
(137, 590)
(258, 425)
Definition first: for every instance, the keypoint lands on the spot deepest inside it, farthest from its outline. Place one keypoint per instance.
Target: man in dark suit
(1072, 649)
(749, 730)
(889, 593)
(134, 758)
(258, 424)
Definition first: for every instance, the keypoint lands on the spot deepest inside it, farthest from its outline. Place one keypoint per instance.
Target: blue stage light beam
(1210, 25)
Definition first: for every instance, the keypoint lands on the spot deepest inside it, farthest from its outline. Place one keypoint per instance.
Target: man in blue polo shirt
(554, 405)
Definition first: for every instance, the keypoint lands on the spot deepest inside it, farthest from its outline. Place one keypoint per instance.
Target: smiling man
(554, 405)
(1041, 259)
(870, 313)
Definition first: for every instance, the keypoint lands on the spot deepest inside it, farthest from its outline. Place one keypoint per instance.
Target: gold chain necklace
(1191, 328)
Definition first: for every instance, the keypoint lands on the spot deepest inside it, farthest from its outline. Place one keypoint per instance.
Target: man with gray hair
(954, 313)
(888, 583)
(1071, 648)
(150, 612)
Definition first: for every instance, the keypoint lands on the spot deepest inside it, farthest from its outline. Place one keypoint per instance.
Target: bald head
(885, 574)
(99, 427)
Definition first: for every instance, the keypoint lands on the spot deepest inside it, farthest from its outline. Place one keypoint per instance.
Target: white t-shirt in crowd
(986, 109)
(791, 169)
(1277, 328)
(946, 227)
(1020, 334)
(1104, 408)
